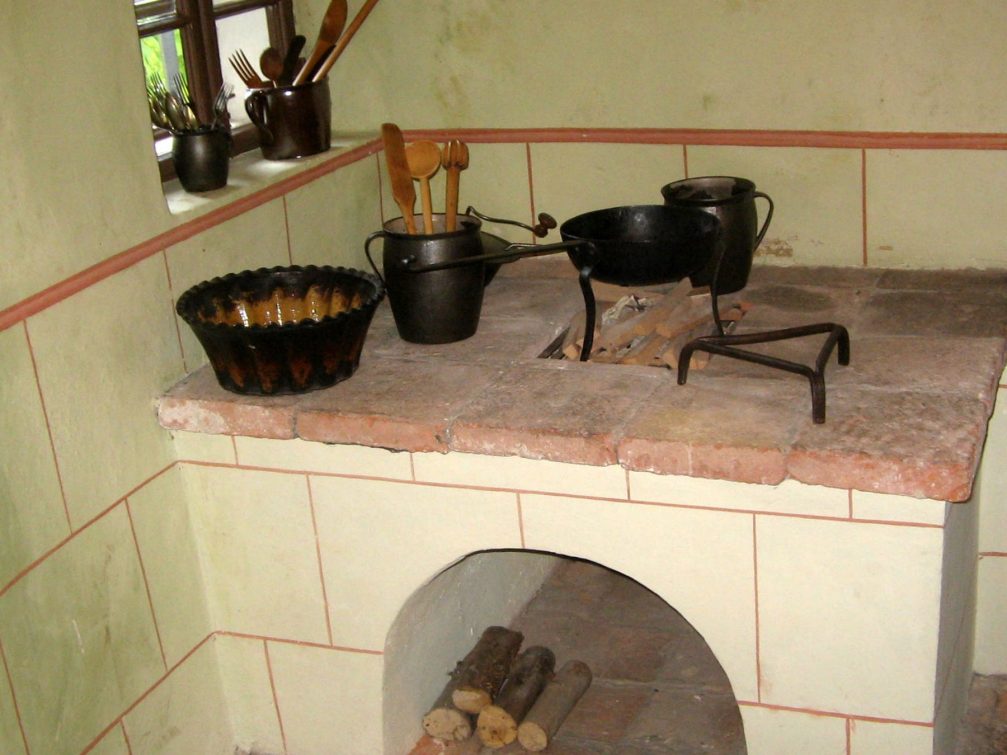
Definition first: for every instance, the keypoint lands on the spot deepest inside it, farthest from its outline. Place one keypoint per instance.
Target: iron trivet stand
(727, 344)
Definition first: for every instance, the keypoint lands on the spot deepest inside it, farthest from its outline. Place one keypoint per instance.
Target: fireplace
(823, 565)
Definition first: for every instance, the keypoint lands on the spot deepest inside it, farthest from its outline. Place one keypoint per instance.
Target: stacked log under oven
(499, 695)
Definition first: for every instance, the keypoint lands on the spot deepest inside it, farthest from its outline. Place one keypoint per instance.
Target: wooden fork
(245, 71)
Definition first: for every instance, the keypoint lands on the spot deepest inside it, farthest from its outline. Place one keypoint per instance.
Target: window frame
(196, 21)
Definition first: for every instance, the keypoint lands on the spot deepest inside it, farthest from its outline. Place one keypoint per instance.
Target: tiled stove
(823, 564)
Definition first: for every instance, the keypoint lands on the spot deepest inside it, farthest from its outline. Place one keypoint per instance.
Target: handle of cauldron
(508, 254)
(367, 251)
(546, 222)
(765, 223)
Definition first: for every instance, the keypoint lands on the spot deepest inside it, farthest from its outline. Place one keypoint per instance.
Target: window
(193, 39)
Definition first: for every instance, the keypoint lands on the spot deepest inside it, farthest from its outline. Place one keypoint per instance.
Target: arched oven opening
(656, 684)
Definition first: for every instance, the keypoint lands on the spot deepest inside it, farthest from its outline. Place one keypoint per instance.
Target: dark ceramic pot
(282, 329)
(201, 158)
(292, 121)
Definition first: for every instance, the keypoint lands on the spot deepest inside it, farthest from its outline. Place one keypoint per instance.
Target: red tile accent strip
(728, 137)
(119, 262)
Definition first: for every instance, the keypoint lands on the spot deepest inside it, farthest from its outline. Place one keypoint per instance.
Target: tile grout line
(286, 229)
(318, 553)
(685, 160)
(755, 585)
(48, 427)
(38, 561)
(520, 520)
(551, 493)
(125, 736)
(13, 695)
(863, 206)
(276, 700)
(836, 714)
(174, 318)
(848, 725)
(531, 180)
(133, 705)
(146, 583)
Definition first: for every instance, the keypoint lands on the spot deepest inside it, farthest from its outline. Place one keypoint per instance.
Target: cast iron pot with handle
(628, 246)
(435, 280)
(732, 201)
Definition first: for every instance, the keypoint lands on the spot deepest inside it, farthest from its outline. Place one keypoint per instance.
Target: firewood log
(444, 721)
(553, 706)
(497, 723)
(481, 673)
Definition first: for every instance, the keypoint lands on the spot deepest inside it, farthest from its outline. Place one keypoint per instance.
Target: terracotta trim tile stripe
(119, 262)
(993, 554)
(707, 137)
(728, 137)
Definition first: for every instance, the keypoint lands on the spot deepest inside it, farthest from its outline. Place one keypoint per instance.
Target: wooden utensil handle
(344, 40)
(451, 205)
(428, 204)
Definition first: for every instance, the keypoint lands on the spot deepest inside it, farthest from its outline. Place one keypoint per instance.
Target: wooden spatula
(398, 172)
(332, 26)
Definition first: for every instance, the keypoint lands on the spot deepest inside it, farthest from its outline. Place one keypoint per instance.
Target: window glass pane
(162, 56)
(249, 33)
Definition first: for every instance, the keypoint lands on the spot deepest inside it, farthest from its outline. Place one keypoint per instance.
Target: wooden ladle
(455, 159)
(332, 26)
(424, 160)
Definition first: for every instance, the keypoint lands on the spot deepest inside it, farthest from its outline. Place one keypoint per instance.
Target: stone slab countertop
(907, 416)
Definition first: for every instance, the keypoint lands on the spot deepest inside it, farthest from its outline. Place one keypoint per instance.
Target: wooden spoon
(398, 172)
(455, 159)
(332, 26)
(271, 63)
(424, 160)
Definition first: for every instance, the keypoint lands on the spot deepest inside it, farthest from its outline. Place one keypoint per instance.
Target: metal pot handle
(509, 253)
(765, 223)
(546, 222)
(367, 251)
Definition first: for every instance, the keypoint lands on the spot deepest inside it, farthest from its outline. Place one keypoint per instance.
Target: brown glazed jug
(292, 121)
(732, 201)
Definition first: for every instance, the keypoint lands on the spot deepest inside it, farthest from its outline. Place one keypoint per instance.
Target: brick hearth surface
(907, 416)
